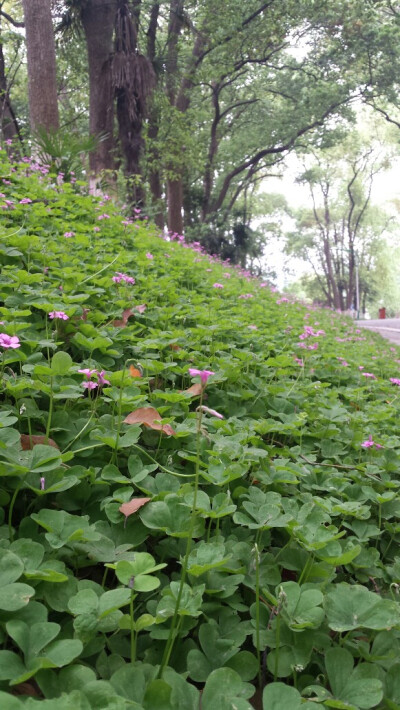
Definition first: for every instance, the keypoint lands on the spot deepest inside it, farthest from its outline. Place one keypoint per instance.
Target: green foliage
(143, 563)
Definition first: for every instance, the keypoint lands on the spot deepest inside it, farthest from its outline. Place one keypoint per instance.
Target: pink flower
(369, 374)
(149, 255)
(217, 285)
(369, 442)
(299, 361)
(141, 308)
(58, 315)
(226, 275)
(282, 300)
(89, 385)
(88, 373)
(361, 367)
(213, 412)
(25, 201)
(69, 234)
(203, 374)
(96, 229)
(252, 327)
(103, 216)
(395, 381)
(246, 295)
(102, 379)
(9, 341)
(119, 276)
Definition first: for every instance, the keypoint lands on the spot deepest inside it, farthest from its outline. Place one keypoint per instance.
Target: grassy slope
(292, 507)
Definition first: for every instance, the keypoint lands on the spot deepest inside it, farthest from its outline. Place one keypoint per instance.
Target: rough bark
(98, 18)
(41, 58)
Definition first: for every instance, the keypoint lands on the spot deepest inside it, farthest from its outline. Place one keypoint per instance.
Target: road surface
(389, 328)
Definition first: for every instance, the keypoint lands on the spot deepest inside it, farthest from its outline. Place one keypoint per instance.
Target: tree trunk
(175, 206)
(98, 18)
(9, 128)
(41, 58)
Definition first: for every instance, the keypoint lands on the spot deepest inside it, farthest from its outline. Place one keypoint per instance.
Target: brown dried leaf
(134, 372)
(195, 390)
(127, 313)
(174, 346)
(150, 418)
(129, 508)
(28, 442)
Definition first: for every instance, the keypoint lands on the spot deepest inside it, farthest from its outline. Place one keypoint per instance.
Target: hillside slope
(199, 489)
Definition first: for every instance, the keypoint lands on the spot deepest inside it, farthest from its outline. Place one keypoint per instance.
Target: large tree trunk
(41, 56)
(98, 18)
(175, 206)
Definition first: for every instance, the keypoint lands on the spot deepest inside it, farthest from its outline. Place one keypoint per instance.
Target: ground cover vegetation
(199, 478)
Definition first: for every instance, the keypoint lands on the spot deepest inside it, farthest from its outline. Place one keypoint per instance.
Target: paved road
(389, 328)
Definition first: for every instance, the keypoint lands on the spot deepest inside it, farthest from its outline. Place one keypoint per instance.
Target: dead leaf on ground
(195, 390)
(28, 442)
(150, 418)
(26, 689)
(127, 313)
(174, 346)
(129, 508)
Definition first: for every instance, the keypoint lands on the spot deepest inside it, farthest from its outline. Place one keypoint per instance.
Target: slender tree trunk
(98, 18)
(155, 183)
(8, 123)
(41, 57)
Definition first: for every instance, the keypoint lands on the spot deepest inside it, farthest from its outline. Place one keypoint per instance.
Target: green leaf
(278, 696)
(224, 690)
(355, 687)
(15, 596)
(11, 567)
(11, 666)
(61, 363)
(353, 606)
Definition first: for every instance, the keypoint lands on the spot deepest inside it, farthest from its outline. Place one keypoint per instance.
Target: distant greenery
(199, 478)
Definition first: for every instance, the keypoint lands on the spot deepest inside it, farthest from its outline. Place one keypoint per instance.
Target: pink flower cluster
(58, 315)
(395, 381)
(310, 332)
(88, 383)
(217, 285)
(9, 341)
(119, 276)
(246, 295)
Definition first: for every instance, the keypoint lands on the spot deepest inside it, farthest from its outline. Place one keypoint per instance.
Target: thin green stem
(133, 634)
(50, 414)
(11, 509)
(173, 629)
(257, 564)
(107, 266)
(277, 647)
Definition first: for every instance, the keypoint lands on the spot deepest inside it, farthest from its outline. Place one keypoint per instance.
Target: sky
(386, 187)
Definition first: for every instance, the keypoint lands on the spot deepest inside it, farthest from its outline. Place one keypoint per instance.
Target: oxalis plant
(199, 477)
